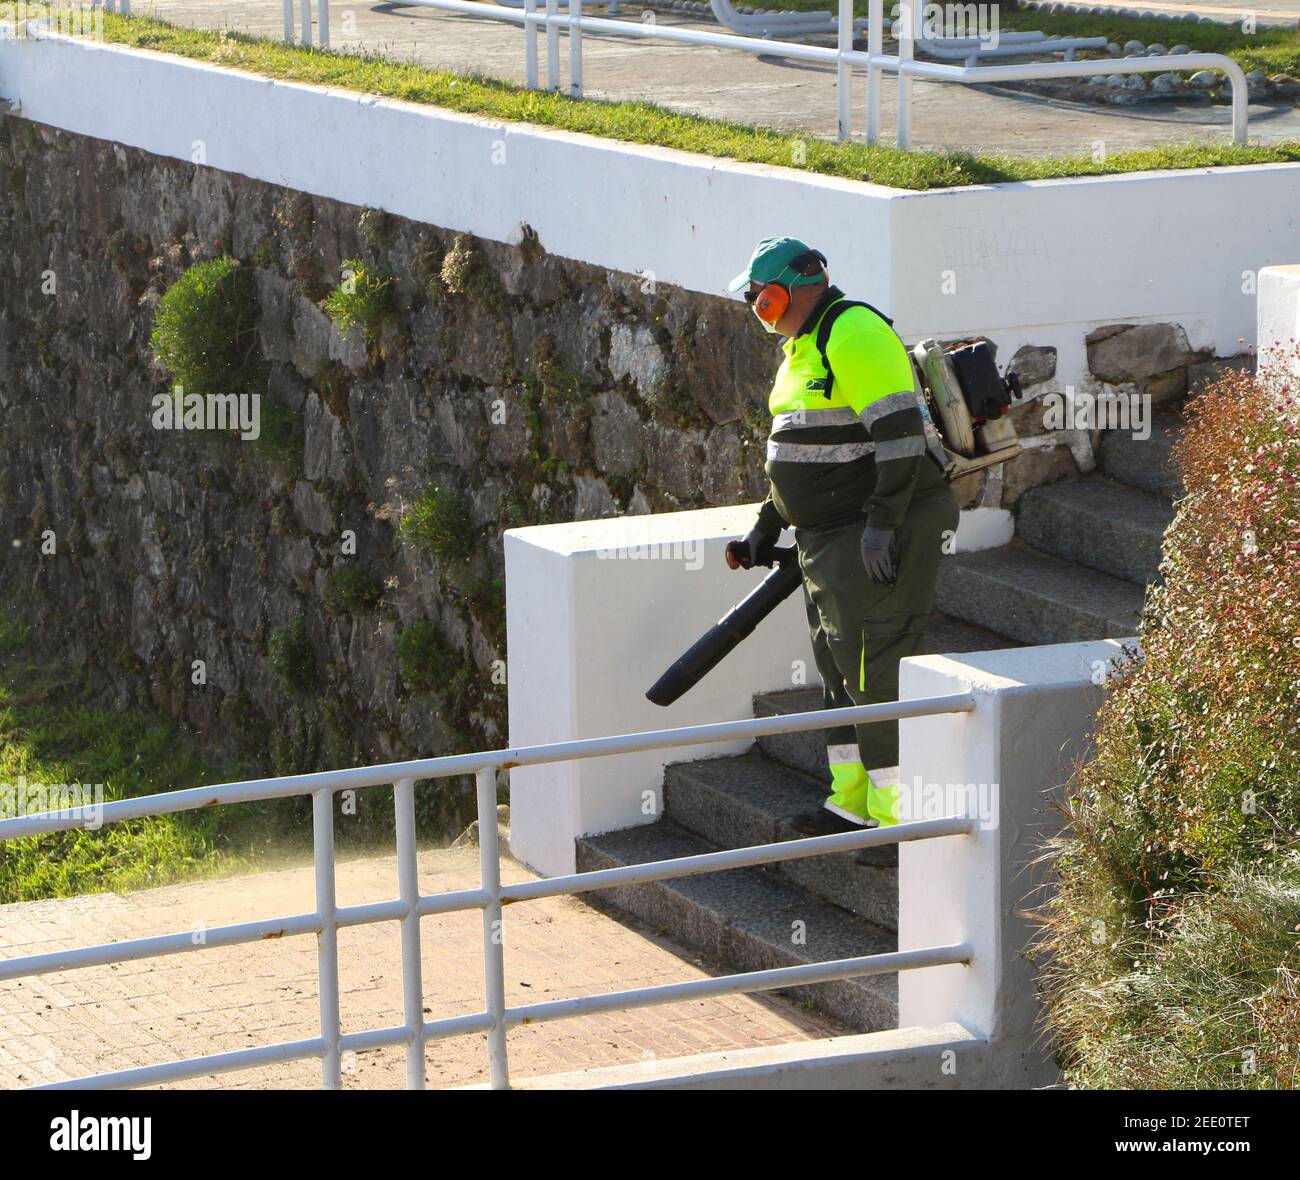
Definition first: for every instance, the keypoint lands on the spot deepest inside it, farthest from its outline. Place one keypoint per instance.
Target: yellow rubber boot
(851, 787)
(882, 804)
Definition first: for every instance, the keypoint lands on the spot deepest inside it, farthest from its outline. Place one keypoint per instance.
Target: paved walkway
(106, 1018)
(769, 91)
(1270, 12)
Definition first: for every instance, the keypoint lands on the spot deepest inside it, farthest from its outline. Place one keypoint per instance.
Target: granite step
(1145, 463)
(1098, 523)
(749, 799)
(1037, 598)
(747, 920)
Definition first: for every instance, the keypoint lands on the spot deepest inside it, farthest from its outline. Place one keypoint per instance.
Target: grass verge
(638, 122)
(51, 733)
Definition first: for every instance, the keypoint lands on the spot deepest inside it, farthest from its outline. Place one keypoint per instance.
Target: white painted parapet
(897, 1059)
(1278, 318)
(595, 612)
(1004, 763)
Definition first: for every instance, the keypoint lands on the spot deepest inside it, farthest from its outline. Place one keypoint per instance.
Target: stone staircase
(1084, 551)
(805, 911)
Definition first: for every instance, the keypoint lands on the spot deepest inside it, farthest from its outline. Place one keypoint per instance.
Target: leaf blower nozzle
(707, 652)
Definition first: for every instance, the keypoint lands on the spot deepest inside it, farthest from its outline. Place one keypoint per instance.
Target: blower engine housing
(968, 402)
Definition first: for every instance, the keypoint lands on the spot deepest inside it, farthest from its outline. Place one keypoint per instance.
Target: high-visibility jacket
(855, 451)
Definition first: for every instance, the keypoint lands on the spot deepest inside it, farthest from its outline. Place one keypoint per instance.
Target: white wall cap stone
(903, 1058)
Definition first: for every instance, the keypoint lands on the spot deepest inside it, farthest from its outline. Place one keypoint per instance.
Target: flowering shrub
(1191, 799)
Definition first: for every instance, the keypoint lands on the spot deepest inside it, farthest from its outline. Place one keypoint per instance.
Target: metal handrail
(415, 1032)
(452, 765)
(1018, 42)
(843, 56)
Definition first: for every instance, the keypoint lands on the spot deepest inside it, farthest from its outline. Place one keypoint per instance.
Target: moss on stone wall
(290, 656)
(354, 588)
(363, 299)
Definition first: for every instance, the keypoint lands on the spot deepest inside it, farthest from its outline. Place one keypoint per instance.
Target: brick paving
(98, 1019)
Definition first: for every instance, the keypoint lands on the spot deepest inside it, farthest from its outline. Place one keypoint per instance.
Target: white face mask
(770, 329)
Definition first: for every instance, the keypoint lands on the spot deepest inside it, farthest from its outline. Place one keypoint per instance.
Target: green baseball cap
(771, 263)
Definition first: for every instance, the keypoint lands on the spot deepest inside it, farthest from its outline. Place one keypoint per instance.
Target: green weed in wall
(205, 328)
(439, 524)
(361, 300)
(291, 657)
(354, 588)
(426, 663)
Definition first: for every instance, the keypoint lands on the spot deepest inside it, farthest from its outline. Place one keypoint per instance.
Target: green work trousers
(860, 629)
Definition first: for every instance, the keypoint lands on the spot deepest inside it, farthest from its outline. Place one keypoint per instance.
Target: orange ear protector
(771, 303)
(772, 300)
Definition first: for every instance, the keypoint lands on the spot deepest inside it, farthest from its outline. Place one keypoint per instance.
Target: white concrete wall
(1047, 261)
(1040, 262)
(595, 612)
(1004, 764)
(1278, 332)
(1033, 719)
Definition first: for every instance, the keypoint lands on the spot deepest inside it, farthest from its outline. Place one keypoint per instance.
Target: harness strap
(824, 329)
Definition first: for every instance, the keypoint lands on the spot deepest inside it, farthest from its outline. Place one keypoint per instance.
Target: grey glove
(880, 554)
(754, 550)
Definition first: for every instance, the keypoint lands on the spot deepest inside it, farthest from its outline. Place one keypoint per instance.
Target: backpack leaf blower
(961, 386)
(707, 652)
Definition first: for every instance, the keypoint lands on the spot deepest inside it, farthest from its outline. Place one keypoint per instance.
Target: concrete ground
(770, 91)
(105, 1018)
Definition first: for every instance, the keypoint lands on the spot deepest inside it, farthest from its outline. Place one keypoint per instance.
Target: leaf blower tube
(707, 652)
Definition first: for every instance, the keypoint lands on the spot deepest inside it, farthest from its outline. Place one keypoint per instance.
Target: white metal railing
(1017, 43)
(410, 905)
(904, 65)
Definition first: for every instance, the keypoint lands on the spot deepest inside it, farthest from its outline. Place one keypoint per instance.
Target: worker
(851, 467)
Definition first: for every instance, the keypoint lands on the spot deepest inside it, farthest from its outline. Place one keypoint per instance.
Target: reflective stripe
(801, 419)
(843, 755)
(792, 452)
(900, 448)
(891, 404)
(845, 813)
